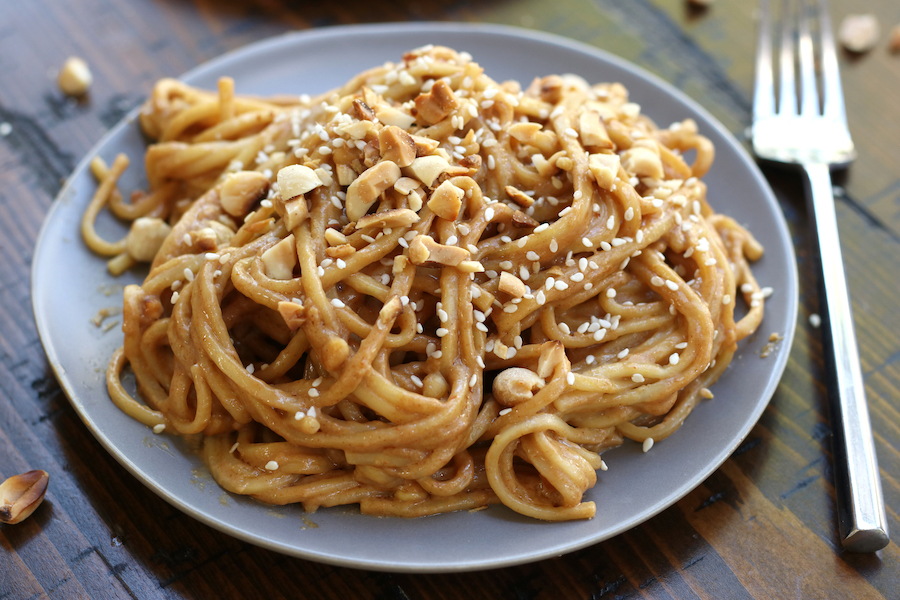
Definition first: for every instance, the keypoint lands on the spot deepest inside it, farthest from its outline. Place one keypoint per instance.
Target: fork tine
(787, 103)
(809, 93)
(764, 87)
(832, 93)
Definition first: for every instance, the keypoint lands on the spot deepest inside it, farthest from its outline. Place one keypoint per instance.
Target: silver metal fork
(815, 140)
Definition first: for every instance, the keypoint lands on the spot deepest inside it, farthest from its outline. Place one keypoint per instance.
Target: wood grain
(762, 526)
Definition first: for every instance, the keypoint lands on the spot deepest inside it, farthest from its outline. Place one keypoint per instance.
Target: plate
(70, 285)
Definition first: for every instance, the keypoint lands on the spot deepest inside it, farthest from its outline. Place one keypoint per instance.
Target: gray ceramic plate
(70, 285)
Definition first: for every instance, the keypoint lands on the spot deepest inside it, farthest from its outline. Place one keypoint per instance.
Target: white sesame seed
(561, 285)
(726, 299)
(656, 281)
(815, 320)
(554, 247)
(159, 428)
(672, 285)
(271, 466)
(313, 393)
(337, 303)
(570, 378)
(611, 222)
(611, 293)
(234, 447)
(648, 443)
(681, 345)
(637, 378)
(674, 358)
(188, 274)
(599, 335)
(587, 243)
(505, 411)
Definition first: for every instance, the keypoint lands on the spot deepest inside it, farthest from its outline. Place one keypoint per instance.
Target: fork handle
(861, 515)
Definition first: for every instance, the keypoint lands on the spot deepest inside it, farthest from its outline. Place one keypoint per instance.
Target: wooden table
(762, 526)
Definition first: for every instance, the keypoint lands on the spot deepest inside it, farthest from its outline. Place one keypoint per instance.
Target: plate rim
(527, 35)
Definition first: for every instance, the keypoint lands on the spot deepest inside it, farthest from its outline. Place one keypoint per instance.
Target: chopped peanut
(204, 239)
(434, 106)
(358, 130)
(424, 145)
(340, 251)
(75, 77)
(530, 133)
(363, 111)
(643, 161)
(366, 188)
(593, 131)
(471, 266)
(396, 145)
(519, 197)
(280, 259)
(393, 116)
(553, 356)
(446, 201)
(295, 212)
(335, 237)
(242, 190)
(345, 174)
(294, 314)
(859, 33)
(146, 237)
(427, 168)
(604, 167)
(424, 249)
(544, 167)
(512, 285)
(395, 217)
(515, 385)
(405, 185)
(295, 180)
(551, 88)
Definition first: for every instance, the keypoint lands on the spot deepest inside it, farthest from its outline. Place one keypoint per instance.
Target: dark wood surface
(762, 526)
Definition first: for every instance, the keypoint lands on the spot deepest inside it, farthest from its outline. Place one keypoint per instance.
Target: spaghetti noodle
(425, 291)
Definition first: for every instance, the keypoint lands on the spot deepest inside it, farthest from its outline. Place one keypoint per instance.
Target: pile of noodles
(423, 360)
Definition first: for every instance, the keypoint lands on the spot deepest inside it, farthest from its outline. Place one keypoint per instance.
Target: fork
(816, 140)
